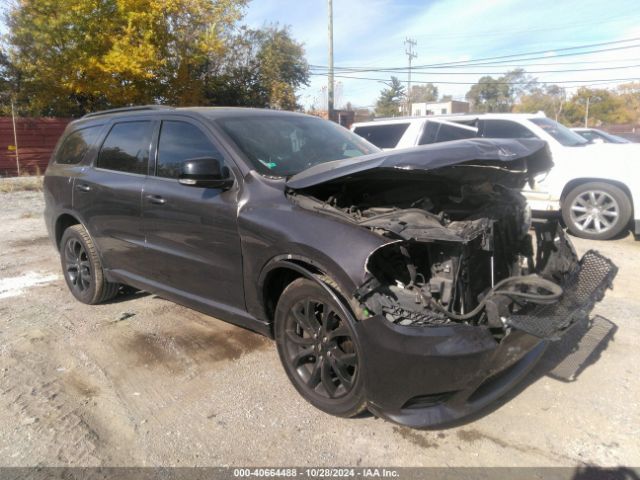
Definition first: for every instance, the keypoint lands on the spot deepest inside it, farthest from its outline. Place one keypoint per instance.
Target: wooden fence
(37, 138)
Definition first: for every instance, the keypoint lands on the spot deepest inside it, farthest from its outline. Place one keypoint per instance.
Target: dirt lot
(142, 381)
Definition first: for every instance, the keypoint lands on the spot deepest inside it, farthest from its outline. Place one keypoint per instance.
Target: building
(439, 108)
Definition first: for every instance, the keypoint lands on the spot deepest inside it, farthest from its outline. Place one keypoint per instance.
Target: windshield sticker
(269, 165)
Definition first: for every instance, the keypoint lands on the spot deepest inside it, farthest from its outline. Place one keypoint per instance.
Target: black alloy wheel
(82, 267)
(78, 266)
(318, 349)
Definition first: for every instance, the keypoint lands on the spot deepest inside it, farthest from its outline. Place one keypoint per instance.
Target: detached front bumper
(427, 376)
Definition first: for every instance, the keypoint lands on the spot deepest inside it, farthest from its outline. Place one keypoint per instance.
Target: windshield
(561, 133)
(282, 145)
(613, 138)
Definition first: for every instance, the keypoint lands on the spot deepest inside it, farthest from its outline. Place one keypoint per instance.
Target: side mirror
(597, 140)
(206, 172)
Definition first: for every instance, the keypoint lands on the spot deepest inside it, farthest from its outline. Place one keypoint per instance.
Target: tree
(604, 107)
(74, 56)
(520, 83)
(629, 94)
(261, 68)
(502, 93)
(550, 99)
(424, 93)
(490, 95)
(390, 100)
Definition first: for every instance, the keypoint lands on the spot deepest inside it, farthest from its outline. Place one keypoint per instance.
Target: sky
(371, 33)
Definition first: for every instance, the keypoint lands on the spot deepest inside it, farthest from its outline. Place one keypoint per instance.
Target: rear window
(76, 145)
(504, 129)
(126, 148)
(382, 136)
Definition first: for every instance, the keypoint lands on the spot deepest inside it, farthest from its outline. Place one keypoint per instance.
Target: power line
(500, 73)
(511, 56)
(612, 80)
(528, 30)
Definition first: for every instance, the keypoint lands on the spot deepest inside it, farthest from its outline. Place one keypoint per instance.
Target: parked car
(402, 282)
(596, 188)
(598, 136)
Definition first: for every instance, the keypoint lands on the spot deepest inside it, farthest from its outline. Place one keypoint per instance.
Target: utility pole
(409, 45)
(586, 114)
(15, 137)
(330, 112)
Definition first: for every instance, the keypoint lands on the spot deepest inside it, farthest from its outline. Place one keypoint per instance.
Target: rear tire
(82, 267)
(596, 210)
(319, 350)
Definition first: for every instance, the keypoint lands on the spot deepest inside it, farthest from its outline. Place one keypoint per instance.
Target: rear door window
(382, 136)
(180, 141)
(448, 133)
(504, 129)
(436, 132)
(126, 148)
(430, 133)
(76, 145)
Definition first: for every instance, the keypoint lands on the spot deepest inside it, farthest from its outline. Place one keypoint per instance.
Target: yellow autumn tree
(75, 56)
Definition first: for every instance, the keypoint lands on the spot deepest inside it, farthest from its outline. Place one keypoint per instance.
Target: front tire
(319, 350)
(596, 210)
(82, 267)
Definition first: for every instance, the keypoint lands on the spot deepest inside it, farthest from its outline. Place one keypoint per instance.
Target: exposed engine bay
(458, 252)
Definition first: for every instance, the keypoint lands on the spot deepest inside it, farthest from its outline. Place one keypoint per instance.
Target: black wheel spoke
(327, 380)
(298, 340)
(303, 356)
(306, 319)
(341, 331)
(341, 373)
(314, 378)
(348, 359)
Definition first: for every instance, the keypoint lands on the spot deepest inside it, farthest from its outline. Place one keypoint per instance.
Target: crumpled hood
(524, 157)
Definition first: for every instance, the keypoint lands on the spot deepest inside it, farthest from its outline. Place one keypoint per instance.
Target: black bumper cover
(428, 376)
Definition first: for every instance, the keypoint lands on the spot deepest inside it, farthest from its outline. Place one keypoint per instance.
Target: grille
(583, 288)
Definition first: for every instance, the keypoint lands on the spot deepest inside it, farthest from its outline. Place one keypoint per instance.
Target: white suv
(594, 186)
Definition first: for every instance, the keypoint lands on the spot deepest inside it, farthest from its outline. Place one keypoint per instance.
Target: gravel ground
(142, 381)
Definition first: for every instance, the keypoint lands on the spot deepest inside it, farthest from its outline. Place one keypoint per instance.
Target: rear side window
(448, 133)
(435, 132)
(504, 129)
(180, 141)
(76, 145)
(126, 148)
(429, 134)
(382, 136)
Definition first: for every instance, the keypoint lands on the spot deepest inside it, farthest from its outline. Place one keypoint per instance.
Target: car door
(107, 194)
(192, 239)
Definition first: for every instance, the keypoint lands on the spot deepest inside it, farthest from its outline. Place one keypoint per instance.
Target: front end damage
(462, 299)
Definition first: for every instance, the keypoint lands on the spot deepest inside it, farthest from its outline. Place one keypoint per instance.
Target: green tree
(502, 93)
(262, 68)
(550, 99)
(629, 94)
(490, 95)
(424, 93)
(604, 107)
(390, 100)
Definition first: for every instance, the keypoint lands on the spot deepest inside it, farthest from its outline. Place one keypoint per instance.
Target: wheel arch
(64, 221)
(283, 270)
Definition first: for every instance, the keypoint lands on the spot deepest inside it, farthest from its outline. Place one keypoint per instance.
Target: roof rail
(128, 109)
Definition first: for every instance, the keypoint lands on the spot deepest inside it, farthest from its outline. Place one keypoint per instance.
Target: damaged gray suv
(411, 283)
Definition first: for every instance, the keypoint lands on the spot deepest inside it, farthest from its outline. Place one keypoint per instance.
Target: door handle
(156, 199)
(83, 187)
